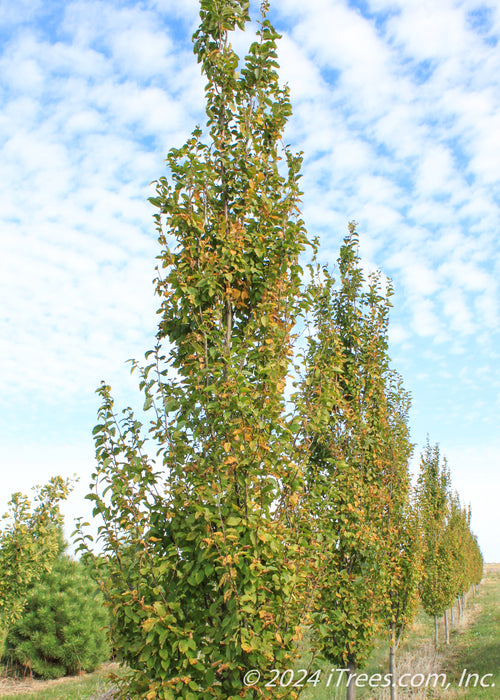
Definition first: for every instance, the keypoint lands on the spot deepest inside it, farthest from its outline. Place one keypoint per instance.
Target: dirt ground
(17, 686)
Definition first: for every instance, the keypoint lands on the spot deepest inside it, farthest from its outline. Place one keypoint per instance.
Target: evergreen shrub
(65, 627)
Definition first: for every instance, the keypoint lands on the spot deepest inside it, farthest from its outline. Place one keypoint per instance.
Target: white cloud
(421, 279)
(435, 172)
(488, 311)
(429, 30)
(188, 10)
(425, 320)
(468, 274)
(456, 308)
(398, 334)
(299, 71)
(141, 52)
(484, 162)
(398, 120)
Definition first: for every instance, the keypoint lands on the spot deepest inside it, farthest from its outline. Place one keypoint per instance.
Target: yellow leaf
(148, 624)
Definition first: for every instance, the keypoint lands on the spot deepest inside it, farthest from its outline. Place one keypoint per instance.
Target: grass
(474, 651)
(415, 655)
(87, 687)
(474, 648)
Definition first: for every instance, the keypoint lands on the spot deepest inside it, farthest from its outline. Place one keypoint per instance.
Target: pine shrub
(64, 629)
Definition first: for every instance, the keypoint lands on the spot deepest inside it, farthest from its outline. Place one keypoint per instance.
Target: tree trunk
(351, 688)
(3, 639)
(459, 600)
(435, 631)
(446, 628)
(392, 663)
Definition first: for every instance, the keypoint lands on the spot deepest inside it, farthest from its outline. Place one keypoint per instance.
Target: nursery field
(471, 659)
(472, 656)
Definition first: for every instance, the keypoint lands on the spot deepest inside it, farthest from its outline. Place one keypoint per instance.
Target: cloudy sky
(397, 109)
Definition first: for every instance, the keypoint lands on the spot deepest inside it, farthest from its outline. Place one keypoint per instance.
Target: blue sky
(397, 110)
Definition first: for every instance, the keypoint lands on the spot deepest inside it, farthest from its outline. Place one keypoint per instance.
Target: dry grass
(424, 661)
(10, 686)
(23, 686)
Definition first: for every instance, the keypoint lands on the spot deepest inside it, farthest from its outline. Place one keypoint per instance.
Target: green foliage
(29, 542)
(405, 572)
(402, 568)
(452, 560)
(243, 523)
(64, 628)
(464, 557)
(354, 421)
(436, 592)
(201, 552)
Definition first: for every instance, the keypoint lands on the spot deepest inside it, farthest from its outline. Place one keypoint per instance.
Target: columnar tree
(202, 564)
(436, 587)
(475, 562)
(462, 551)
(452, 560)
(401, 566)
(405, 575)
(28, 546)
(206, 542)
(454, 536)
(351, 475)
